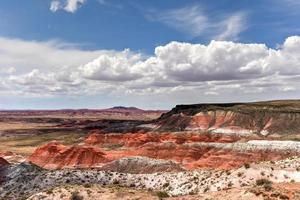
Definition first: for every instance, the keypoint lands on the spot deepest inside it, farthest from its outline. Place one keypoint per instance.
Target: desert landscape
(149, 100)
(199, 151)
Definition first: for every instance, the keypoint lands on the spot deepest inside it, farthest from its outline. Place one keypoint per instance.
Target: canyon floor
(201, 151)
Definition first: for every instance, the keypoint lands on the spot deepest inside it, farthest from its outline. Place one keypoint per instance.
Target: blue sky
(41, 38)
(124, 24)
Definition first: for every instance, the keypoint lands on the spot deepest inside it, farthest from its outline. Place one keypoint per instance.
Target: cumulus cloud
(42, 65)
(217, 61)
(215, 68)
(67, 5)
(219, 71)
(195, 22)
(123, 66)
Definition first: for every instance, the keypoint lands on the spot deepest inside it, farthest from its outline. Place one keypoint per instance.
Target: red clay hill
(221, 136)
(55, 155)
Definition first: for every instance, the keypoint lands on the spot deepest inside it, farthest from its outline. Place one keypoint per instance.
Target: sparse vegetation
(263, 181)
(206, 189)
(166, 185)
(247, 165)
(50, 191)
(75, 196)
(162, 194)
(30, 182)
(240, 174)
(87, 185)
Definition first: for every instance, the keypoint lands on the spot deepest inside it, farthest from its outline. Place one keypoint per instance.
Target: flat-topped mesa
(271, 106)
(263, 118)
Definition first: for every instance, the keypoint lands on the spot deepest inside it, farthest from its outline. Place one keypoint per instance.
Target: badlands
(200, 151)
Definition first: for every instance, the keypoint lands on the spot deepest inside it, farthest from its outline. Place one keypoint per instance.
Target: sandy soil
(94, 192)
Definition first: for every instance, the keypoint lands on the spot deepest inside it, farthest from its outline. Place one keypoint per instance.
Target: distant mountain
(124, 108)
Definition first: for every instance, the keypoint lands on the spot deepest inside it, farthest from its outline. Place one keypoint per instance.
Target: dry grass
(5, 126)
(25, 145)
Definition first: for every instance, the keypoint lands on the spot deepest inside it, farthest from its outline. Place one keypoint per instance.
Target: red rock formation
(12, 157)
(263, 118)
(6, 153)
(55, 155)
(195, 136)
(138, 139)
(3, 162)
(197, 156)
(3, 165)
(189, 155)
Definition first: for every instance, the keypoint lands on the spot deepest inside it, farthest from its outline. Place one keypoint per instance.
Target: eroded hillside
(195, 150)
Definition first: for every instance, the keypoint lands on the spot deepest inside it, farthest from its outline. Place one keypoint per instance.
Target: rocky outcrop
(3, 165)
(55, 155)
(138, 139)
(25, 179)
(141, 165)
(262, 118)
(222, 136)
(12, 157)
(192, 155)
(210, 155)
(3, 162)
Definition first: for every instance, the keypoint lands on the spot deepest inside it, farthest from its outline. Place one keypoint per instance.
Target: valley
(196, 151)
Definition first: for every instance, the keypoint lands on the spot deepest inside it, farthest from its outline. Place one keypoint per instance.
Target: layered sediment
(222, 136)
(262, 118)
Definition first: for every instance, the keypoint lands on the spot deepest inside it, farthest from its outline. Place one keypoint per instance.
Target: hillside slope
(262, 118)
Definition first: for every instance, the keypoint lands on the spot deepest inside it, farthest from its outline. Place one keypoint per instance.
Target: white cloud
(123, 66)
(189, 19)
(232, 27)
(67, 5)
(73, 5)
(220, 70)
(7, 70)
(38, 66)
(195, 22)
(216, 61)
(48, 56)
(55, 5)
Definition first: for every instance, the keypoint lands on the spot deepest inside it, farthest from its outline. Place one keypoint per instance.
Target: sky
(57, 54)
